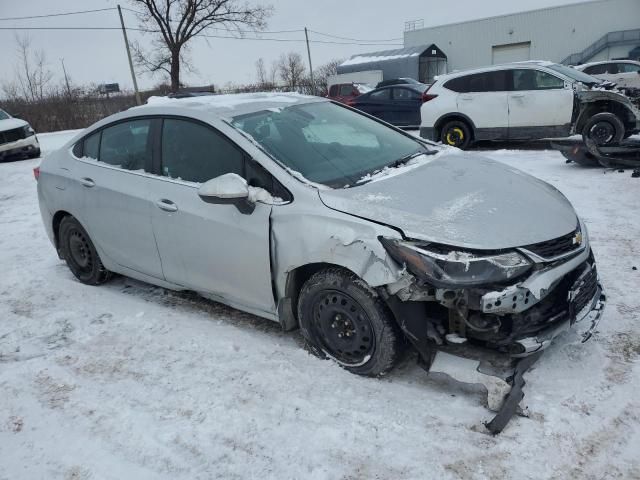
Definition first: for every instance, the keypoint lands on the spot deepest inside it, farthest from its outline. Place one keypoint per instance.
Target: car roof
(229, 105)
(603, 62)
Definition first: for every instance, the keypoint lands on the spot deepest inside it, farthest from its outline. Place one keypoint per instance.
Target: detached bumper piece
(624, 155)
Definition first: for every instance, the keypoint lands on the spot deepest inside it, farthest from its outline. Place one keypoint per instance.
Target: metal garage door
(513, 52)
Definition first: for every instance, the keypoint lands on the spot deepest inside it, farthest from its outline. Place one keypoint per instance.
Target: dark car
(347, 92)
(398, 81)
(398, 104)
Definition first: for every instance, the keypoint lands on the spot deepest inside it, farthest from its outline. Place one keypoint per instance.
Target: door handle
(466, 97)
(166, 205)
(87, 182)
(517, 95)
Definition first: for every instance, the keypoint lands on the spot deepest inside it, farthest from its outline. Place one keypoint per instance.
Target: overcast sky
(99, 56)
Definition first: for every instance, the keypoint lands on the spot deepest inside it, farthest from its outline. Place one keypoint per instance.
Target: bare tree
(273, 72)
(291, 69)
(322, 74)
(175, 22)
(32, 74)
(261, 72)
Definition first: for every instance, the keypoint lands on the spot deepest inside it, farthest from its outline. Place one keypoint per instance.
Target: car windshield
(575, 74)
(4, 115)
(327, 143)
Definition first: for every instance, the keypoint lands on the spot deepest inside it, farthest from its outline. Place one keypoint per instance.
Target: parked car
(347, 92)
(311, 214)
(398, 81)
(17, 138)
(523, 101)
(398, 104)
(624, 73)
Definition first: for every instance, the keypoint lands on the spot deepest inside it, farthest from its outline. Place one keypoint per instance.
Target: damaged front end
(489, 305)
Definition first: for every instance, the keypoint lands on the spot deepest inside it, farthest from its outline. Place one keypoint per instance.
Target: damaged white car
(317, 216)
(17, 138)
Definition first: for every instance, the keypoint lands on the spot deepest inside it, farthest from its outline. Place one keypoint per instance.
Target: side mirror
(227, 189)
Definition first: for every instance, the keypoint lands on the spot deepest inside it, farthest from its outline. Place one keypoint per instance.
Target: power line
(356, 39)
(229, 37)
(57, 14)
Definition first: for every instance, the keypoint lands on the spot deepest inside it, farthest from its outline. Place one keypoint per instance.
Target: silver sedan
(316, 216)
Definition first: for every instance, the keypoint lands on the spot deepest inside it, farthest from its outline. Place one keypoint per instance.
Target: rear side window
(196, 153)
(480, 82)
(126, 145)
(91, 146)
(380, 95)
(596, 69)
(346, 90)
(405, 94)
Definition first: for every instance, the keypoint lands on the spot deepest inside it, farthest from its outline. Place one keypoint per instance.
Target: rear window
(333, 91)
(480, 82)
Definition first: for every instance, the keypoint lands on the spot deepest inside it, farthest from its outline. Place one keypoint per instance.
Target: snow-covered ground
(132, 381)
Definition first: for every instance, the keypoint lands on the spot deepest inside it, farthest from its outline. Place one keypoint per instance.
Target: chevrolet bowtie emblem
(577, 240)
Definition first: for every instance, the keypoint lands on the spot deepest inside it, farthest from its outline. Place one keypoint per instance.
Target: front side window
(327, 143)
(196, 153)
(527, 79)
(628, 68)
(126, 145)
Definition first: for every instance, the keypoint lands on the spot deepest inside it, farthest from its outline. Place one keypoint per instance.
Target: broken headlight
(447, 267)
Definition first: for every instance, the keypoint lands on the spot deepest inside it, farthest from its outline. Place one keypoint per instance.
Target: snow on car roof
(234, 104)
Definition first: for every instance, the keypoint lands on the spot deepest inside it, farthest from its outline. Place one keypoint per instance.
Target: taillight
(428, 96)
(36, 172)
(350, 101)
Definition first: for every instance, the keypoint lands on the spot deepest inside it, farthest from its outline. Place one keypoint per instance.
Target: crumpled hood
(461, 200)
(11, 123)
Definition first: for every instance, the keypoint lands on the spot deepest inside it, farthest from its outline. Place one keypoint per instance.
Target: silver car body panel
(487, 206)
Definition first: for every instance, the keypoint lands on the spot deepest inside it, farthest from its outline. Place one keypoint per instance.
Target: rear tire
(344, 319)
(456, 134)
(604, 129)
(77, 249)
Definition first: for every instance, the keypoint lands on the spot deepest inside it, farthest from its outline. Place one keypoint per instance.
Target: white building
(571, 34)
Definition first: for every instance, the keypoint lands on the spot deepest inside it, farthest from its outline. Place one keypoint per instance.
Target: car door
(540, 104)
(210, 248)
(405, 106)
(376, 103)
(483, 98)
(627, 76)
(113, 170)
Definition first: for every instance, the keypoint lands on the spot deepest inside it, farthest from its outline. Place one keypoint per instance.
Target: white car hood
(11, 123)
(462, 200)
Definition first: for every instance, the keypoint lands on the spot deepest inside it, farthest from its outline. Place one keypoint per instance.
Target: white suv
(522, 101)
(624, 73)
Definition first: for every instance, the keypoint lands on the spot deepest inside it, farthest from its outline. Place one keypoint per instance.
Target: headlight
(28, 131)
(447, 267)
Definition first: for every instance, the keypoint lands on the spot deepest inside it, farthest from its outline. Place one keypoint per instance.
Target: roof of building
(385, 55)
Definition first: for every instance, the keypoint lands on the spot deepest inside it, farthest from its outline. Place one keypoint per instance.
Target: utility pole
(313, 85)
(66, 78)
(126, 44)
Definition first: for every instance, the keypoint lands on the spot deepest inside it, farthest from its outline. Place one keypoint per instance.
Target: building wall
(554, 32)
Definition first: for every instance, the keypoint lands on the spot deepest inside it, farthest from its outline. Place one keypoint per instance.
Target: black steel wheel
(77, 249)
(344, 319)
(456, 134)
(604, 129)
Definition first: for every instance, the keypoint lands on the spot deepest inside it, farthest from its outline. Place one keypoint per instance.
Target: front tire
(456, 134)
(344, 319)
(77, 249)
(604, 129)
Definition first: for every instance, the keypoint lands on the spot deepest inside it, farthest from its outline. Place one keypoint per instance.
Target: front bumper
(24, 146)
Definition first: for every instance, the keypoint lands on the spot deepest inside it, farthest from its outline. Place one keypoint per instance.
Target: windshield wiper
(406, 158)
